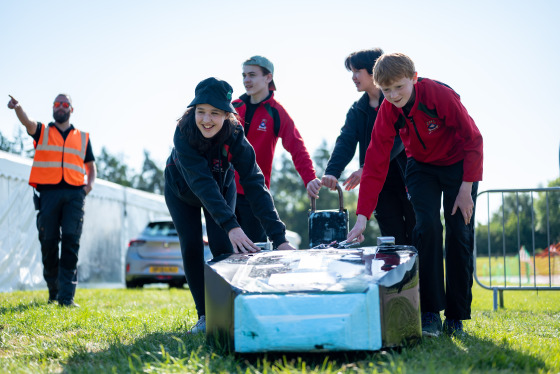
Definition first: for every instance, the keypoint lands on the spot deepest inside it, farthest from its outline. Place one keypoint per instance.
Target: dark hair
(265, 71)
(67, 96)
(187, 125)
(364, 59)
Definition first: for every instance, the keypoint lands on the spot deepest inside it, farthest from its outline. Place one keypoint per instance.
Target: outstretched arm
(293, 143)
(30, 125)
(353, 180)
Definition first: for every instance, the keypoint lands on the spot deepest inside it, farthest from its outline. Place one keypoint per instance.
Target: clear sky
(131, 66)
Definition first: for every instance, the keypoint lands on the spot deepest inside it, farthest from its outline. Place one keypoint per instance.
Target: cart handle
(340, 200)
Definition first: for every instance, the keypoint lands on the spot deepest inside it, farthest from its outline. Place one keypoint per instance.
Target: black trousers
(60, 220)
(248, 221)
(186, 217)
(426, 184)
(394, 212)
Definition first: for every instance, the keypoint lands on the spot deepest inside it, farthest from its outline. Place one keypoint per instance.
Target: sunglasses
(58, 104)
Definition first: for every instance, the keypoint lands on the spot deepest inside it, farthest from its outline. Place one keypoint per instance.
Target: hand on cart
(356, 234)
(241, 242)
(313, 188)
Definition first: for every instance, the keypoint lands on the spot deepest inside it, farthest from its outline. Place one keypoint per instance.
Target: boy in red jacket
(444, 150)
(265, 121)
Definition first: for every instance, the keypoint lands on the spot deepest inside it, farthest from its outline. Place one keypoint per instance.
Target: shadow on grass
(442, 355)
(153, 349)
(22, 307)
(179, 351)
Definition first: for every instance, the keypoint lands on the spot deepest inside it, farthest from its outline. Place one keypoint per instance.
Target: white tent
(113, 215)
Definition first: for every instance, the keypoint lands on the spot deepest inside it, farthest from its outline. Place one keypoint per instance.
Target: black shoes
(453, 327)
(200, 326)
(68, 304)
(431, 325)
(53, 296)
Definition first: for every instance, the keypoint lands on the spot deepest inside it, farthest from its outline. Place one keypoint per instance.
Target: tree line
(529, 219)
(290, 195)
(523, 211)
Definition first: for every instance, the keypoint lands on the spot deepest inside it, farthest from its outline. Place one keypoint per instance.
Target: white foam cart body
(314, 300)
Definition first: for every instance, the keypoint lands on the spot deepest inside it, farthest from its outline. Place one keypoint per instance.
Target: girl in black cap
(208, 145)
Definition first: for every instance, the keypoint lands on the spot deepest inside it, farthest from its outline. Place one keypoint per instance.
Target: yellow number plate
(164, 269)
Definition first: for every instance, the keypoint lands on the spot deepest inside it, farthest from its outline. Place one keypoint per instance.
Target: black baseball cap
(215, 92)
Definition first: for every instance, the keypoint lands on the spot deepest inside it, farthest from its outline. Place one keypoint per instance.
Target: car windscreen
(160, 229)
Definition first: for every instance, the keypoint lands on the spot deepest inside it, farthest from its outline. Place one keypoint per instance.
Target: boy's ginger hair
(391, 67)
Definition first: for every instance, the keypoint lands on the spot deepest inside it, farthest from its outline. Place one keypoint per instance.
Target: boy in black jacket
(394, 212)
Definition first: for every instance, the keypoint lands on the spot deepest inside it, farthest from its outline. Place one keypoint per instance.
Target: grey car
(155, 256)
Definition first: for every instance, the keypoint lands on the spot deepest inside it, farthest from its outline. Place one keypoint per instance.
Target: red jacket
(263, 138)
(437, 131)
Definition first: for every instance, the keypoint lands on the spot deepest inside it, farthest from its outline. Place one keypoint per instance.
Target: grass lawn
(121, 331)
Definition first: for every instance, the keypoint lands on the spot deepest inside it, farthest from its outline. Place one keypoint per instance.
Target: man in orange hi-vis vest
(63, 173)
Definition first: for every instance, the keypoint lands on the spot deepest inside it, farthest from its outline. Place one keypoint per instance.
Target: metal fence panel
(517, 243)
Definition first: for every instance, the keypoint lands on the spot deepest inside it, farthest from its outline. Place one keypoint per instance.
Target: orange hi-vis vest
(56, 158)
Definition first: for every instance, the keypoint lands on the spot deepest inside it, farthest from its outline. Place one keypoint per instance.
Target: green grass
(122, 331)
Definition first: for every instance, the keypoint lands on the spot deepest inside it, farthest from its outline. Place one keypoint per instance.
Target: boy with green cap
(265, 121)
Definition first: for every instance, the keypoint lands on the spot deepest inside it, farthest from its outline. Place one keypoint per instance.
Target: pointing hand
(12, 103)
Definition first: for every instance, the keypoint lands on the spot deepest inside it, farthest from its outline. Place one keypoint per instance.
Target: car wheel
(133, 284)
(177, 284)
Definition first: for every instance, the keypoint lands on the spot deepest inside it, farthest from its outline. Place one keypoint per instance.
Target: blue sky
(131, 66)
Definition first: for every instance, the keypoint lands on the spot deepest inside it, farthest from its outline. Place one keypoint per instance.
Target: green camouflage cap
(263, 62)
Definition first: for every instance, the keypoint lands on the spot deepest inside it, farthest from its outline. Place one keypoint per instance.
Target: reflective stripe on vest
(56, 158)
